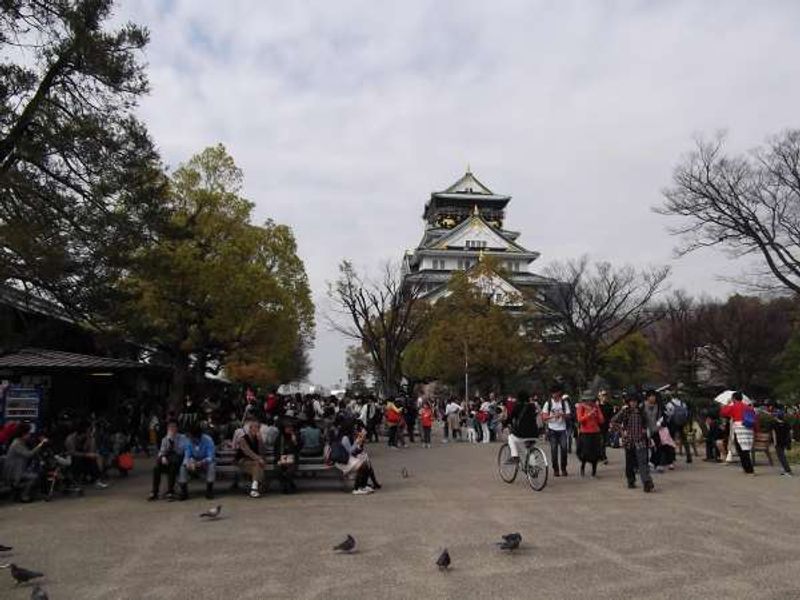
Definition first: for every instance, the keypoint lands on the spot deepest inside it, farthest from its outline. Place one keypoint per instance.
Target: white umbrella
(726, 396)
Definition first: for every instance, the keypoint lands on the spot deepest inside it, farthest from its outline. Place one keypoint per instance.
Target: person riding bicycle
(522, 425)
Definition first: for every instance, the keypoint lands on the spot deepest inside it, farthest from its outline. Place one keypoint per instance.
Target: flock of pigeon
(511, 542)
(22, 575)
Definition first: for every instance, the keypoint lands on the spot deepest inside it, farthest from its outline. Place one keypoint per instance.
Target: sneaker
(369, 489)
(255, 494)
(631, 485)
(648, 487)
(786, 474)
(101, 485)
(564, 473)
(360, 492)
(556, 474)
(671, 467)
(152, 496)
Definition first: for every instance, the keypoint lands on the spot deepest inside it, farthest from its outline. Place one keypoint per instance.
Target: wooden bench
(762, 442)
(307, 466)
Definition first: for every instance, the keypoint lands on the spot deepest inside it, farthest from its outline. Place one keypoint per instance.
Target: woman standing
(426, 421)
(590, 442)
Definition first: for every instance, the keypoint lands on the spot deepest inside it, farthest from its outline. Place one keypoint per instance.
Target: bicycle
(534, 465)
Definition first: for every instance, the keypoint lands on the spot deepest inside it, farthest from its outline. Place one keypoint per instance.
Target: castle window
(476, 244)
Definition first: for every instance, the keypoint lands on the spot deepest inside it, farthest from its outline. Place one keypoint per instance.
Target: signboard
(21, 403)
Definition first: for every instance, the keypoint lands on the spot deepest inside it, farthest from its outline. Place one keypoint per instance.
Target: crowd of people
(278, 431)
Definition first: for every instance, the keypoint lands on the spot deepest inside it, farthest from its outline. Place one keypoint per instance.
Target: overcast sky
(345, 115)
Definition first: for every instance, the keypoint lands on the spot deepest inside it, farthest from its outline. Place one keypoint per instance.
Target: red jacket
(426, 417)
(589, 419)
(734, 410)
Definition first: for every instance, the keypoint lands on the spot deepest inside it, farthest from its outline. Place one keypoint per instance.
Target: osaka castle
(464, 225)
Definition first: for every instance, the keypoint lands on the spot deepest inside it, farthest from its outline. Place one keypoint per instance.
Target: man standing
(677, 416)
(555, 414)
(410, 416)
(198, 456)
(653, 418)
(630, 422)
(170, 456)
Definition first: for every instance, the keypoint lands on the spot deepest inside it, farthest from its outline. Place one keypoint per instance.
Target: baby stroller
(58, 475)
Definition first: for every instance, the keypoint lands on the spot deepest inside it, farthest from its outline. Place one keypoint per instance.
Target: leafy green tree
(469, 333)
(80, 180)
(786, 378)
(216, 292)
(630, 362)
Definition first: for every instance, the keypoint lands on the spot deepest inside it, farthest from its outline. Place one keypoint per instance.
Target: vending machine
(21, 403)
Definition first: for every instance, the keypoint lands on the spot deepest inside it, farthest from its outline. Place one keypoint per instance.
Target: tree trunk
(180, 374)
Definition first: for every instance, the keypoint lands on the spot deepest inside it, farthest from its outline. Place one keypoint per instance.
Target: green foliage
(467, 331)
(786, 378)
(629, 362)
(80, 181)
(215, 290)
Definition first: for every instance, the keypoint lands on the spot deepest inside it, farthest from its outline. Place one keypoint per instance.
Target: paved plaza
(709, 531)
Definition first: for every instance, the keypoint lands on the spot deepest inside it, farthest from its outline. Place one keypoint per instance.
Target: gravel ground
(708, 531)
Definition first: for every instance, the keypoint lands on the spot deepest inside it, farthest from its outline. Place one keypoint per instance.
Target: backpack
(749, 417)
(680, 414)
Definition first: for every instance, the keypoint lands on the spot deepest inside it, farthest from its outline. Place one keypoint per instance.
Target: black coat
(523, 420)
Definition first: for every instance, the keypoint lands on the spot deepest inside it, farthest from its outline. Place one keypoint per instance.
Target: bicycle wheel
(536, 469)
(506, 468)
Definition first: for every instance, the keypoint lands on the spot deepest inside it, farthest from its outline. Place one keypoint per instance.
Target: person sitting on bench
(286, 451)
(248, 455)
(169, 459)
(310, 440)
(199, 455)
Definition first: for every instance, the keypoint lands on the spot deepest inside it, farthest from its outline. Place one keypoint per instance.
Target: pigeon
(443, 562)
(346, 546)
(404, 473)
(39, 594)
(212, 513)
(21, 575)
(5, 548)
(510, 541)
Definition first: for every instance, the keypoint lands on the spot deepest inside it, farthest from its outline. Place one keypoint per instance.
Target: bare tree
(746, 204)
(743, 337)
(383, 316)
(677, 338)
(599, 306)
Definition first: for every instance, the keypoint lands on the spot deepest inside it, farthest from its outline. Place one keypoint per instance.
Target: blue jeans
(558, 440)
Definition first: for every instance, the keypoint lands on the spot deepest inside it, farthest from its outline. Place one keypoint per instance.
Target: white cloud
(345, 115)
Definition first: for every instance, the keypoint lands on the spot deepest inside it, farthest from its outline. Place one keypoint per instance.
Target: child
(783, 441)
(472, 435)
